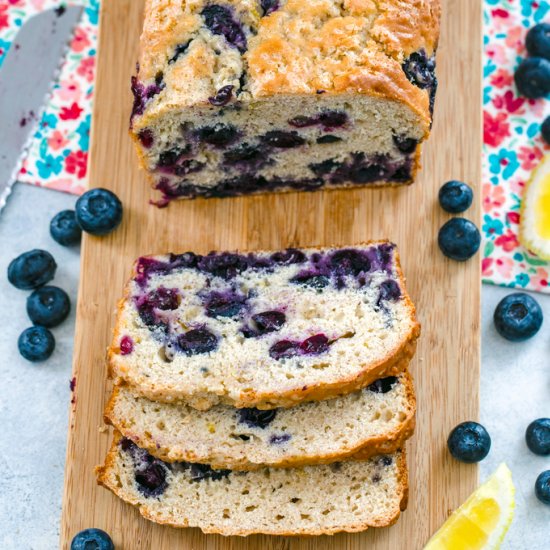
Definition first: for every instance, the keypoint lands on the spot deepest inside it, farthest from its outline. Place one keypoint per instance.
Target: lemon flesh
(483, 520)
(535, 211)
(543, 209)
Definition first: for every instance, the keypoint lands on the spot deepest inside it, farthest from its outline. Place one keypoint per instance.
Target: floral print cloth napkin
(512, 144)
(58, 154)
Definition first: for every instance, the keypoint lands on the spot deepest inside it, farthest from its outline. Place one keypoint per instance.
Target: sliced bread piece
(314, 500)
(375, 420)
(264, 329)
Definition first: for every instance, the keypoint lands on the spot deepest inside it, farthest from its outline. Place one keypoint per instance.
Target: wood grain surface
(447, 293)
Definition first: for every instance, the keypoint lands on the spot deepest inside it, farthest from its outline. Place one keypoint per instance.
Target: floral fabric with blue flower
(512, 145)
(58, 154)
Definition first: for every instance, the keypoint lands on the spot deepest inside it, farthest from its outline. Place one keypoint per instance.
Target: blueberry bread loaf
(265, 329)
(244, 96)
(347, 496)
(375, 420)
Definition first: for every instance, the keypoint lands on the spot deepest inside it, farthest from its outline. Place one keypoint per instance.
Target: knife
(26, 76)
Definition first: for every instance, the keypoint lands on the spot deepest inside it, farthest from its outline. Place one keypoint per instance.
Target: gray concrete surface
(515, 389)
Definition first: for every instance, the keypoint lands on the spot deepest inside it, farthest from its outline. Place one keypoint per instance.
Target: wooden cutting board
(447, 293)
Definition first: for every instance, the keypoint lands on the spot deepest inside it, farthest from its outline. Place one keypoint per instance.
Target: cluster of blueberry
(97, 212)
(532, 76)
(517, 318)
(470, 442)
(459, 238)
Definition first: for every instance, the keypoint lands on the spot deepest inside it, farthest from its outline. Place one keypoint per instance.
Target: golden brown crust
(102, 473)
(387, 443)
(392, 364)
(350, 46)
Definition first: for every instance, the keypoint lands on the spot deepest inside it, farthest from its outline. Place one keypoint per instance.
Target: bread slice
(314, 500)
(375, 420)
(264, 329)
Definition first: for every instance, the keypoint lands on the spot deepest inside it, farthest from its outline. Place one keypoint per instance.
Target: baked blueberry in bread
(346, 496)
(263, 329)
(377, 419)
(246, 96)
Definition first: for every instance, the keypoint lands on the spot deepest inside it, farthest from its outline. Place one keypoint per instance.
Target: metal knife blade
(26, 77)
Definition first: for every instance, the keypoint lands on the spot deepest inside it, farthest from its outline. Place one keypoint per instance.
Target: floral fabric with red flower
(512, 146)
(58, 154)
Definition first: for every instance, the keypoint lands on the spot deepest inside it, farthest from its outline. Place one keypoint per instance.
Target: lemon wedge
(535, 211)
(483, 520)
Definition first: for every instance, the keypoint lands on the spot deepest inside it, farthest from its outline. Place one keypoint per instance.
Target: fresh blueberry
(283, 140)
(542, 487)
(284, 349)
(219, 19)
(532, 77)
(218, 135)
(48, 306)
(64, 228)
(315, 345)
(537, 41)
(545, 130)
(459, 239)
(383, 385)
(92, 539)
(269, 321)
(537, 436)
(197, 341)
(469, 442)
(31, 269)
(254, 418)
(98, 211)
(455, 197)
(36, 344)
(518, 317)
